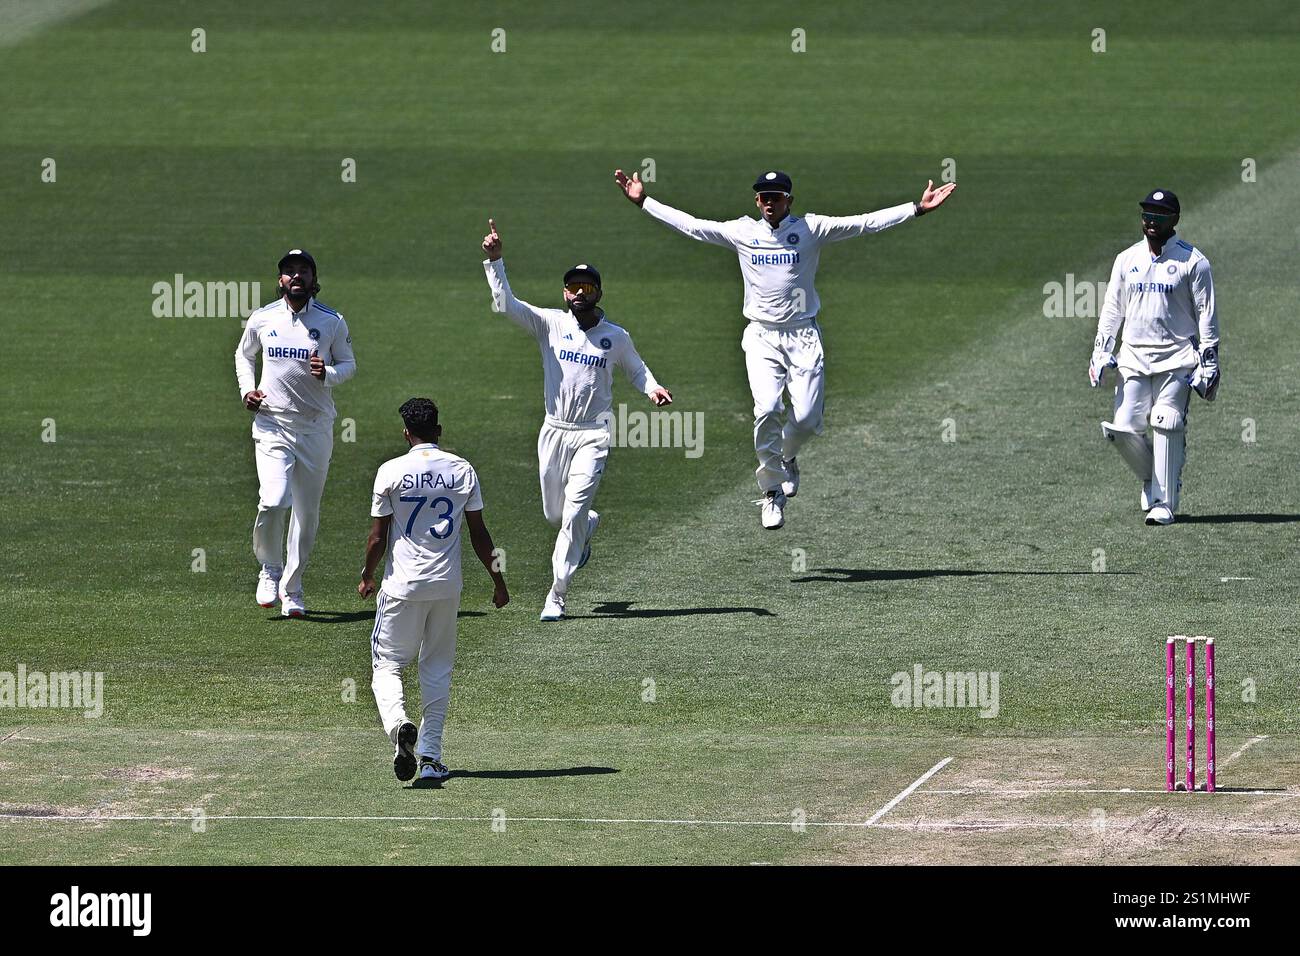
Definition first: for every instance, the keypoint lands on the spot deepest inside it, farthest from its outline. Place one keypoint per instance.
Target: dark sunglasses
(586, 287)
(771, 197)
(1156, 216)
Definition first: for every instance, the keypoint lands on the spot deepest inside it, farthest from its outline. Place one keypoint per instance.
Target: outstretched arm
(835, 228)
(503, 300)
(705, 230)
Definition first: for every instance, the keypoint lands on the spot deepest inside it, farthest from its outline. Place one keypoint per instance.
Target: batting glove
(1097, 367)
(1205, 380)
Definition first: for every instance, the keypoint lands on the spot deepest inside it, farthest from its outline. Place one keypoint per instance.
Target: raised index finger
(492, 226)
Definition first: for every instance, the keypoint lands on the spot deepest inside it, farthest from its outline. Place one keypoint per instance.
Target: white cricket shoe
(773, 514)
(431, 769)
(593, 522)
(1160, 514)
(292, 605)
(554, 608)
(790, 487)
(1146, 496)
(268, 585)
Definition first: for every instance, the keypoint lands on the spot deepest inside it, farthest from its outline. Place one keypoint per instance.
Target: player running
(306, 351)
(1162, 295)
(579, 349)
(421, 502)
(782, 342)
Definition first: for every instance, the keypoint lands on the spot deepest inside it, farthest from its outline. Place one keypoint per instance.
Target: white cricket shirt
(1164, 305)
(295, 398)
(427, 491)
(779, 265)
(577, 365)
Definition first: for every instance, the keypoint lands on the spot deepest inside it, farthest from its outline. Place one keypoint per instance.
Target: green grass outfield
(770, 654)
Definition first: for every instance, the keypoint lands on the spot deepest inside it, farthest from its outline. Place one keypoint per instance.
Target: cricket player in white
(1161, 295)
(580, 348)
(421, 502)
(782, 342)
(306, 352)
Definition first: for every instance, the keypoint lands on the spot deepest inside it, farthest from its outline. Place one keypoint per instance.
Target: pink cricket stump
(1191, 716)
(1209, 715)
(1169, 714)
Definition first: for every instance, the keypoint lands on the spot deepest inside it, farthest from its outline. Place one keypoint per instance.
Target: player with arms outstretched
(580, 348)
(782, 341)
(1161, 295)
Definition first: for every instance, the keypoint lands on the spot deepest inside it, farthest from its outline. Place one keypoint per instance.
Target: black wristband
(920, 210)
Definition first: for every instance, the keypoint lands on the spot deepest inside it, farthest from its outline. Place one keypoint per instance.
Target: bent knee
(1168, 418)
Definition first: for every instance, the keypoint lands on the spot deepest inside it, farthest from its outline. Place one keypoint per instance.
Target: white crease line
(1045, 792)
(1007, 825)
(11, 736)
(190, 818)
(903, 796)
(1244, 747)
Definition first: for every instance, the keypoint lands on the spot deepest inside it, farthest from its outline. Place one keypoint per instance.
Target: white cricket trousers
(780, 361)
(571, 462)
(291, 470)
(407, 631)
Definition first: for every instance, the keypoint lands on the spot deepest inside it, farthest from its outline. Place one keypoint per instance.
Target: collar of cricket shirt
(1173, 237)
(594, 327)
(305, 309)
(789, 218)
(425, 444)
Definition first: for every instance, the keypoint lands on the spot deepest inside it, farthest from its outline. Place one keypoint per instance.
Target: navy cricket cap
(292, 254)
(582, 273)
(774, 181)
(1161, 199)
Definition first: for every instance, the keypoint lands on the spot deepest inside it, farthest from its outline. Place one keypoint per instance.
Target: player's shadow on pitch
(351, 617)
(512, 775)
(864, 575)
(624, 609)
(1238, 519)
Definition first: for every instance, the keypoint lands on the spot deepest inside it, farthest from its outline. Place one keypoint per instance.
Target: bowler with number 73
(421, 501)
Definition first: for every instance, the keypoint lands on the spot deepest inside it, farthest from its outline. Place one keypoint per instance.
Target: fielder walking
(782, 342)
(1161, 295)
(306, 352)
(421, 502)
(580, 348)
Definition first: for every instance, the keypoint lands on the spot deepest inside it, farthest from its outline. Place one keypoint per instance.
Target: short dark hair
(420, 416)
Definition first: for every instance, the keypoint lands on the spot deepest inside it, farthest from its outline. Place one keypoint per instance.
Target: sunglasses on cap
(588, 288)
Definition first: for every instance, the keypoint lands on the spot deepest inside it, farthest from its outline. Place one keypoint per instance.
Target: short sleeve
(381, 505)
(475, 500)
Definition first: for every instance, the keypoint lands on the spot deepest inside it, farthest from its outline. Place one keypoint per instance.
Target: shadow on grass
(512, 775)
(1237, 519)
(860, 575)
(624, 609)
(351, 617)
